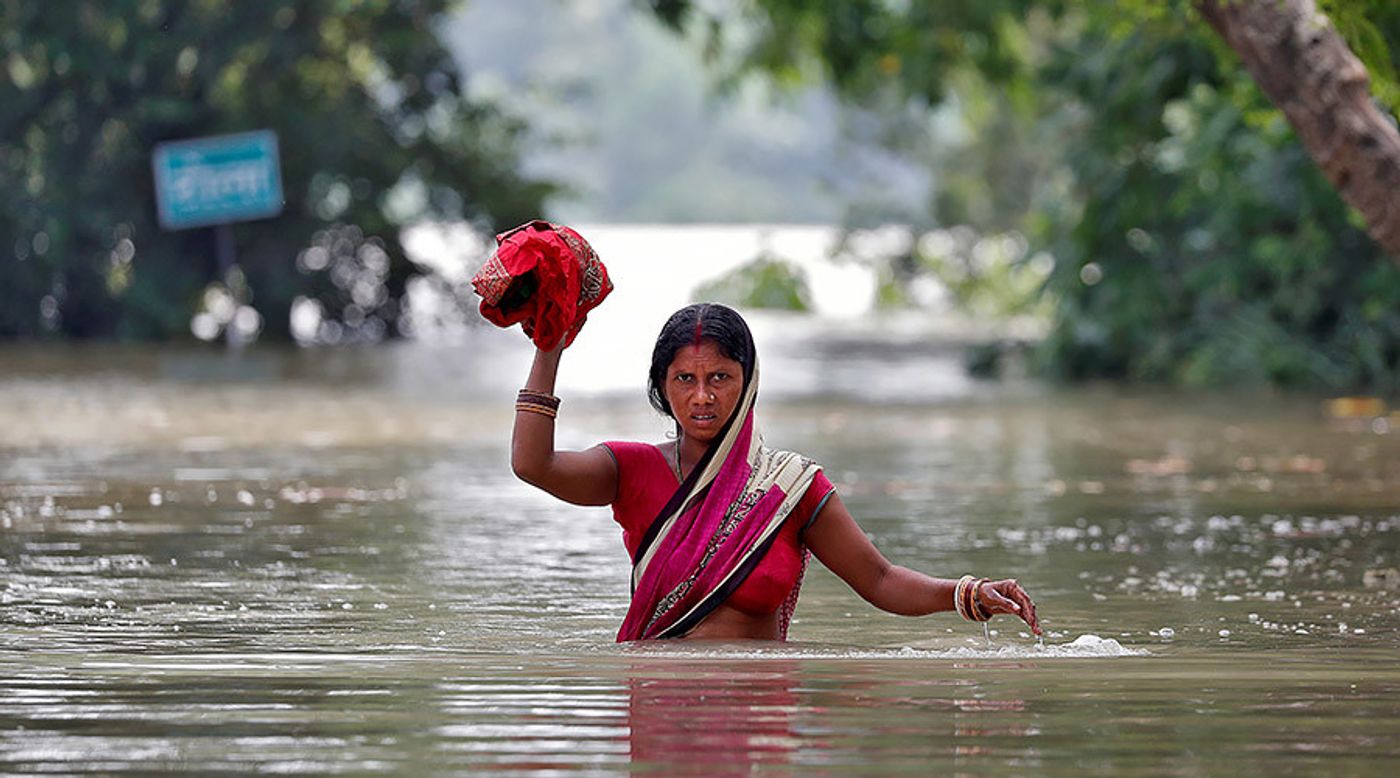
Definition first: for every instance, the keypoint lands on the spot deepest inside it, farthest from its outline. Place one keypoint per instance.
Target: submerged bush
(766, 282)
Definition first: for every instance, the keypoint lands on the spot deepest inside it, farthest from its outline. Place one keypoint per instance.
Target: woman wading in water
(719, 527)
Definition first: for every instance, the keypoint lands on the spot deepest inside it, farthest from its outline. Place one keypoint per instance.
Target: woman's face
(703, 387)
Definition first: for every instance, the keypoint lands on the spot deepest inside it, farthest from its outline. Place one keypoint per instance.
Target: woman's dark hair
(689, 326)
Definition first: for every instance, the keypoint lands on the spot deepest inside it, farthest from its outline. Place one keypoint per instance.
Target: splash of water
(1083, 647)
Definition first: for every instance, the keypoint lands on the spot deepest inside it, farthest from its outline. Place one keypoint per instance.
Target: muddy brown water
(319, 562)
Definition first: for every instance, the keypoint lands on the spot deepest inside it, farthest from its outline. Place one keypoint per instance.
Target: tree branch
(1306, 69)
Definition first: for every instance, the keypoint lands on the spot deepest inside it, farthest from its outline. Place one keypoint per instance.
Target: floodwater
(319, 562)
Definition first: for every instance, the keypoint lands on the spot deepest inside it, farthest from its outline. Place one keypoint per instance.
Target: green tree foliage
(1195, 242)
(373, 129)
(1201, 245)
(866, 47)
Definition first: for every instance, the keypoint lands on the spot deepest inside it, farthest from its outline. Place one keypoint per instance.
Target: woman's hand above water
(1007, 597)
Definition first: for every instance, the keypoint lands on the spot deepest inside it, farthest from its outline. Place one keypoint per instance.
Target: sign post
(214, 182)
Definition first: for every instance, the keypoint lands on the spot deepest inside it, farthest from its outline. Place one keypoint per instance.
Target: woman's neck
(688, 453)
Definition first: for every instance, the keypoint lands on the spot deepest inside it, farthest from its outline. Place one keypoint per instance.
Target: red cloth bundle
(544, 277)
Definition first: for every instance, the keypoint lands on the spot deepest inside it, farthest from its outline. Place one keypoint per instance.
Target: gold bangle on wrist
(960, 596)
(540, 398)
(531, 401)
(967, 598)
(543, 410)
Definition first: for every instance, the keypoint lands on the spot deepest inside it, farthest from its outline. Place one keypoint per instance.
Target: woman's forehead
(706, 353)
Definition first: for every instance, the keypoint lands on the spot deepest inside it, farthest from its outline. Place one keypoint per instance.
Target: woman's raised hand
(1007, 596)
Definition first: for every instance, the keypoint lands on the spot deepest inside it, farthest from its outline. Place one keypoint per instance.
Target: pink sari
(715, 530)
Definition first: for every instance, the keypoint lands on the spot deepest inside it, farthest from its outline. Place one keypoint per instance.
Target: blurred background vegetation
(1109, 167)
(374, 129)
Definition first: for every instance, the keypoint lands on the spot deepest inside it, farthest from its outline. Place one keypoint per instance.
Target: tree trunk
(1305, 67)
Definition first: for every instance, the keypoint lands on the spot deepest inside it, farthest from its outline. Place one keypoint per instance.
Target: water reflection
(679, 713)
(714, 716)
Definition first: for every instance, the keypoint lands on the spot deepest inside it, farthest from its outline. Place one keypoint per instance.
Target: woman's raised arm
(580, 477)
(845, 549)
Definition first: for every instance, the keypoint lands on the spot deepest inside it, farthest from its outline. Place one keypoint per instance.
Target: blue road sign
(218, 179)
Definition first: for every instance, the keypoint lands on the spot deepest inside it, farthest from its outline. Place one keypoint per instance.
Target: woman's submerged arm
(845, 549)
(580, 477)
